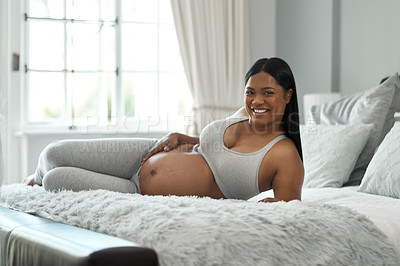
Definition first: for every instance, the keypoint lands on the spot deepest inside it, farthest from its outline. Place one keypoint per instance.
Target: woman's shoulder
(241, 113)
(285, 151)
(225, 122)
(283, 155)
(282, 167)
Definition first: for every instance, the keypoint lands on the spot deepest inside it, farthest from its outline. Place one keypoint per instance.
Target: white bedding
(181, 233)
(384, 212)
(241, 233)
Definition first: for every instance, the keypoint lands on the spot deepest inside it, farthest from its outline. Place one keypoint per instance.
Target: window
(103, 62)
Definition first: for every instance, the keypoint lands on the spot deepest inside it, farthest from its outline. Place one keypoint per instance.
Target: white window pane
(46, 96)
(140, 94)
(139, 10)
(166, 12)
(139, 47)
(46, 45)
(83, 9)
(108, 89)
(107, 10)
(175, 97)
(83, 46)
(46, 8)
(149, 49)
(92, 98)
(108, 52)
(85, 95)
(170, 59)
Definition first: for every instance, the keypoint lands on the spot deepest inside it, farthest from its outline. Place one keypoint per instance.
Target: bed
(331, 226)
(349, 213)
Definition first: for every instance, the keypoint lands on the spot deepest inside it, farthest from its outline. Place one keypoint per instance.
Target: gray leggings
(112, 164)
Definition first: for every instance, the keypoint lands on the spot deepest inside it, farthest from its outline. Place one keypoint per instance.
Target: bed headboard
(397, 116)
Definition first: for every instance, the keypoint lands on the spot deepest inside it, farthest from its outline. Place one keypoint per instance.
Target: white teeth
(259, 110)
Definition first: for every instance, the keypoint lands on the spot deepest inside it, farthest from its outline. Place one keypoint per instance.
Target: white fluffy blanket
(204, 231)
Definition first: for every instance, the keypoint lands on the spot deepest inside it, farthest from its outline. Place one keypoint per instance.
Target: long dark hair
(282, 73)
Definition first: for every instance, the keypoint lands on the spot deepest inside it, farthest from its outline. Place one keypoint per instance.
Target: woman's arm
(170, 142)
(288, 179)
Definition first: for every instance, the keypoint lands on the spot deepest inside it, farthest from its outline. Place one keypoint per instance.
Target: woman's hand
(167, 143)
(170, 142)
(270, 200)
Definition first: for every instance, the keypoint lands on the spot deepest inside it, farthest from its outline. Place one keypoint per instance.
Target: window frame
(118, 121)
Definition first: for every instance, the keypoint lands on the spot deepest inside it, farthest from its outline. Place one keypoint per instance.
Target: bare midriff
(182, 172)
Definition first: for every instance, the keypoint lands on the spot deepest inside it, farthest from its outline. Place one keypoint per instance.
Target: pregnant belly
(178, 173)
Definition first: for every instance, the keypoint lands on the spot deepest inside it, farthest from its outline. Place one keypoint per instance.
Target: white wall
(7, 101)
(4, 82)
(304, 39)
(338, 46)
(14, 108)
(370, 43)
(262, 29)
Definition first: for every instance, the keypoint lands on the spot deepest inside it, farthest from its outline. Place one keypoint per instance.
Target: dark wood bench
(27, 240)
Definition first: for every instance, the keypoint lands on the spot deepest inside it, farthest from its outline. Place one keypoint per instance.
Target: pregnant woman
(256, 149)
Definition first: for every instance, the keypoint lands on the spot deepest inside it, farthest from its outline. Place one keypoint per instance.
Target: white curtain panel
(213, 39)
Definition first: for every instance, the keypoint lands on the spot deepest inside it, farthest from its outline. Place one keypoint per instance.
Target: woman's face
(265, 101)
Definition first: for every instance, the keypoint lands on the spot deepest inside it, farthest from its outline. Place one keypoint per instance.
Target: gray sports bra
(236, 173)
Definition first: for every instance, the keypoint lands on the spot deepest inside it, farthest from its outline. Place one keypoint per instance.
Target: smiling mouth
(259, 110)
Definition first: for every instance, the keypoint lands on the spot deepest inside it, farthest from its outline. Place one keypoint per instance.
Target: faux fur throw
(203, 231)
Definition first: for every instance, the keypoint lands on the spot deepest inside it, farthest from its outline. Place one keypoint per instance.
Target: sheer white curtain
(213, 39)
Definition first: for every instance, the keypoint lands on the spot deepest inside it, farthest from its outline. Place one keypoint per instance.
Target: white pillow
(391, 82)
(330, 152)
(375, 106)
(383, 173)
